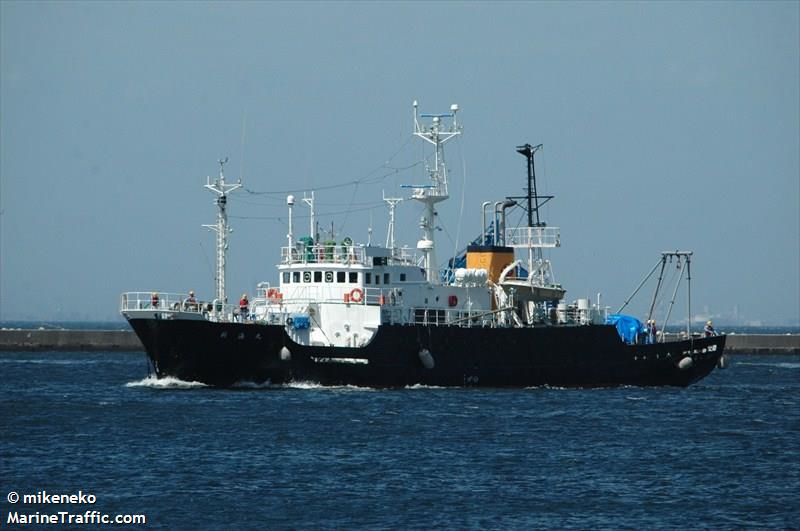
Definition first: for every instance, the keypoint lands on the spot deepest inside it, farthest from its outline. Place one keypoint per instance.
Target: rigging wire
(269, 199)
(463, 191)
(659, 305)
(642, 283)
(273, 202)
(368, 178)
(277, 202)
(674, 295)
(318, 214)
(444, 229)
(208, 262)
(364, 180)
(544, 178)
(241, 158)
(349, 207)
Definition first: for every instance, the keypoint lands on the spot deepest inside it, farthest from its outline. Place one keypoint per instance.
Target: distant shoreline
(69, 340)
(120, 324)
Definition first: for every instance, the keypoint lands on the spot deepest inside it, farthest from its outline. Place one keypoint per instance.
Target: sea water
(723, 453)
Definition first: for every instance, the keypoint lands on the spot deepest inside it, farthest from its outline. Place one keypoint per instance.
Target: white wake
(168, 382)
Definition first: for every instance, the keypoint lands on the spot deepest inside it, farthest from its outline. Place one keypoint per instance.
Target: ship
(360, 314)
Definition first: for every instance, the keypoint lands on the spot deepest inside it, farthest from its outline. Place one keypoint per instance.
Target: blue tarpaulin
(300, 321)
(628, 327)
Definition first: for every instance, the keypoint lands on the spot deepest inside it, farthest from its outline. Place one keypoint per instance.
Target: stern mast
(537, 235)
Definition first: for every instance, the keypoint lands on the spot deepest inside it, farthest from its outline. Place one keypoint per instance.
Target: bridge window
(317, 276)
(368, 278)
(340, 277)
(377, 279)
(386, 278)
(295, 276)
(352, 277)
(402, 277)
(286, 277)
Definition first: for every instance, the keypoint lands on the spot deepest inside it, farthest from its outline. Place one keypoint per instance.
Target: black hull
(222, 354)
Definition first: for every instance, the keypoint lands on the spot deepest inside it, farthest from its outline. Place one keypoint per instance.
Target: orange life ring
(357, 295)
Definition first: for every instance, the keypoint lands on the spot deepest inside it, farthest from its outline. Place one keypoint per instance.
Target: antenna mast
(436, 134)
(532, 196)
(313, 223)
(392, 202)
(537, 236)
(221, 189)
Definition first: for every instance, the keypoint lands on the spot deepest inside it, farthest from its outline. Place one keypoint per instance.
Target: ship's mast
(537, 236)
(436, 134)
(392, 202)
(290, 235)
(532, 196)
(221, 189)
(312, 224)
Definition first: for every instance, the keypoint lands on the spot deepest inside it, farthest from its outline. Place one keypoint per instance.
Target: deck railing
(343, 254)
(156, 300)
(535, 237)
(323, 254)
(334, 295)
(445, 317)
(174, 303)
(275, 310)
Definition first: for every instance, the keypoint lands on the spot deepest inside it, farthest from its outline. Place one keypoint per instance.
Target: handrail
(155, 300)
(173, 303)
(389, 300)
(533, 237)
(342, 254)
(481, 314)
(335, 295)
(323, 254)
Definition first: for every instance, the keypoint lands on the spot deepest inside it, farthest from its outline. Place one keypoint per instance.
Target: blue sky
(665, 125)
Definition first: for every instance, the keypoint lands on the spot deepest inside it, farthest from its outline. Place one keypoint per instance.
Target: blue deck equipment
(628, 327)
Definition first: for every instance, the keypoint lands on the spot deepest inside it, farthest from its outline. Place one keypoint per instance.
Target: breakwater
(70, 340)
(763, 344)
(126, 340)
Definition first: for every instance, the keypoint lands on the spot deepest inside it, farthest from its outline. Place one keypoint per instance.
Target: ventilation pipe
(500, 208)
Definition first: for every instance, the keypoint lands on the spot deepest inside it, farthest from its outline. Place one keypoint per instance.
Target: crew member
(709, 329)
(154, 300)
(651, 331)
(191, 302)
(244, 307)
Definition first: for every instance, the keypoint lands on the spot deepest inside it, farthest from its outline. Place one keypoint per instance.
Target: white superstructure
(339, 293)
